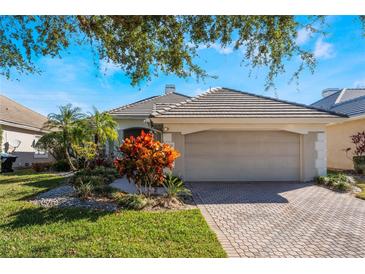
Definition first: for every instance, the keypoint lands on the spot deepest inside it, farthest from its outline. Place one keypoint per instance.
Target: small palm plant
(102, 126)
(175, 187)
(67, 124)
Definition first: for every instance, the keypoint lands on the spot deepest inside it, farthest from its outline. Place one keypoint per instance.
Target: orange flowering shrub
(144, 159)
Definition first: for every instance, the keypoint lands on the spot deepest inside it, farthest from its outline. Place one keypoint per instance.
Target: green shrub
(132, 201)
(105, 191)
(86, 186)
(94, 181)
(108, 174)
(342, 186)
(175, 187)
(335, 181)
(359, 164)
(41, 167)
(330, 181)
(84, 190)
(61, 166)
(321, 180)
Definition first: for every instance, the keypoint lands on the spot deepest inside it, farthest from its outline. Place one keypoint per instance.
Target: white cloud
(198, 91)
(223, 50)
(323, 49)
(303, 36)
(359, 83)
(108, 68)
(63, 70)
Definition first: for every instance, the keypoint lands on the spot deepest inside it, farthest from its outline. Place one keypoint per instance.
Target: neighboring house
(229, 135)
(22, 128)
(352, 103)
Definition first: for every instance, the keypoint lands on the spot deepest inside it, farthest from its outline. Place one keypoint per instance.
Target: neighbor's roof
(225, 102)
(350, 101)
(17, 115)
(145, 107)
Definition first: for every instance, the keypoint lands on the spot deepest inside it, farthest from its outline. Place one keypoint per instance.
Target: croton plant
(359, 153)
(144, 159)
(359, 141)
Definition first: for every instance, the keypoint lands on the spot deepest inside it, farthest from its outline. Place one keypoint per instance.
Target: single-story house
(21, 129)
(349, 101)
(229, 135)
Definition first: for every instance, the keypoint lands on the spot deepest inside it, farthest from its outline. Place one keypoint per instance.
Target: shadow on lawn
(15, 180)
(44, 216)
(46, 185)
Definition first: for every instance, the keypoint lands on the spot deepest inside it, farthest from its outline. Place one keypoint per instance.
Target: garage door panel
(242, 156)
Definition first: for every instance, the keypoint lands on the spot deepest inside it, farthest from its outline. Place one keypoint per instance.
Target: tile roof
(354, 107)
(145, 107)
(327, 102)
(348, 94)
(349, 101)
(19, 115)
(225, 102)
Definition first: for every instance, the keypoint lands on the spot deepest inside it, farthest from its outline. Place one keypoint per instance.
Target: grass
(27, 230)
(361, 194)
(361, 185)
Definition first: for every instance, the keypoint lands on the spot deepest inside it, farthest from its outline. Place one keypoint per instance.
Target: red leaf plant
(144, 159)
(359, 141)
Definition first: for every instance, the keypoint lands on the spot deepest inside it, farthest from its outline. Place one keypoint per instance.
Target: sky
(76, 79)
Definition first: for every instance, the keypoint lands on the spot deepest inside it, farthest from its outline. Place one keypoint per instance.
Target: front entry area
(134, 131)
(242, 156)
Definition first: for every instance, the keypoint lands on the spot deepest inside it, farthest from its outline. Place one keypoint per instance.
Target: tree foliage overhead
(145, 46)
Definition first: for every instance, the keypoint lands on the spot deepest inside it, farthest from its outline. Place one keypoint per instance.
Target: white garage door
(242, 156)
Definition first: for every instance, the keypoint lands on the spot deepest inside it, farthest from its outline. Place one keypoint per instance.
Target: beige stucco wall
(129, 123)
(25, 152)
(338, 140)
(309, 156)
(178, 141)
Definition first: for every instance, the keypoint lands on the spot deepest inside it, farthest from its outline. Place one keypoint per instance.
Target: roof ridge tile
(146, 100)
(183, 102)
(291, 103)
(203, 99)
(338, 99)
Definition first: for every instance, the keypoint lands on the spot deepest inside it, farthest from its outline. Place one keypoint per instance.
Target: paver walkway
(279, 219)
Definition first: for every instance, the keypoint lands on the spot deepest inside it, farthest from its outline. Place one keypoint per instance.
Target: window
(39, 153)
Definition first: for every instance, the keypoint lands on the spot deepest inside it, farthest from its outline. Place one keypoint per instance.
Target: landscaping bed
(342, 181)
(28, 230)
(91, 189)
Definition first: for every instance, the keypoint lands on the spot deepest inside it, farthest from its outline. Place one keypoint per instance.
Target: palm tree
(67, 122)
(102, 126)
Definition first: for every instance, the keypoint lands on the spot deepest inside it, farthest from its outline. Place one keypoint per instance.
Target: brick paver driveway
(283, 219)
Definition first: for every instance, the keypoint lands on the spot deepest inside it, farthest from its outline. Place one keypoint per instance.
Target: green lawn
(30, 231)
(361, 194)
(361, 185)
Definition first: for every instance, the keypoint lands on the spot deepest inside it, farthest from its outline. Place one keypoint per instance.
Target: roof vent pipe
(169, 89)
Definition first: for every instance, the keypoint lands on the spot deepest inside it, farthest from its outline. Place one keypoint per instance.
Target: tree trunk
(73, 168)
